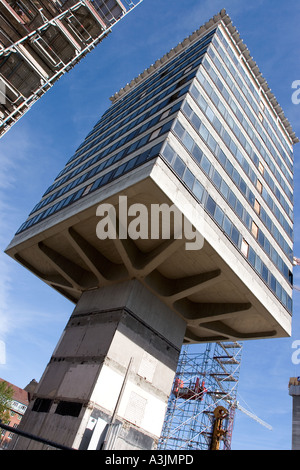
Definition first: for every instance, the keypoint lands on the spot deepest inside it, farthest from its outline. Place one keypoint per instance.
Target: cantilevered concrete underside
(218, 299)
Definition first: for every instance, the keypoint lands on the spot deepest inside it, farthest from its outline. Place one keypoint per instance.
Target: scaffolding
(206, 381)
(41, 40)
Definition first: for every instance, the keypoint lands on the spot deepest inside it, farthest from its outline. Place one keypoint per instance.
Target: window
(196, 121)
(87, 189)
(261, 238)
(155, 134)
(42, 405)
(217, 178)
(261, 168)
(118, 172)
(236, 177)
(224, 189)
(178, 129)
(233, 147)
(179, 166)
(232, 199)
(243, 186)
(235, 235)
(258, 264)
(251, 198)
(188, 141)
(217, 124)
(210, 205)
(278, 290)
(204, 132)
(181, 82)
(226, 138)
(267, 247)
(164, 115)
(245, 248)
(264, 272)
(173, 97)
(212, 143)
(227, 225)
(131, 164)
(188, 178)
(251, 256)
(166, 127)
(68, 408)
(209, 113)
(205, 164)
(254, 229)
(219, 215)
(229, 167)
(259, 186)
(272, 282)
(257, 206)
(187, 69)
(222, 158)
(168, 153)
(140, 143)
(239, 209)
(197, 153)
(194, 92)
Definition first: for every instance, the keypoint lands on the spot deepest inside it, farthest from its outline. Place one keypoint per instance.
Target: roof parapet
(259, 77)
(221, 17)
(169, 55)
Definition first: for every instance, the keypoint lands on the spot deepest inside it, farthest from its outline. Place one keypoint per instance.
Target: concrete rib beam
(220, 327)
(176, 289)
(74, 274)
(190, 336)
(199, 312)
(148, 262)
(54, 279)
(140, 264)
(101, 267)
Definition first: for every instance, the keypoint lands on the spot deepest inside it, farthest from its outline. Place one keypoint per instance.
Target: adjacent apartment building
(18, 406)
(199, 131)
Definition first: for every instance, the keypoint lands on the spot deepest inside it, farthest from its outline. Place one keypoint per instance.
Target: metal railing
(33, 437)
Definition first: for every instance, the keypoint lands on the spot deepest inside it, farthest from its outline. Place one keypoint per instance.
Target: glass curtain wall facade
(127, 128)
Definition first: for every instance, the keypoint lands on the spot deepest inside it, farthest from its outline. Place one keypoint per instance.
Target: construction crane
(220, 413)
(253, 416)
(220, 432)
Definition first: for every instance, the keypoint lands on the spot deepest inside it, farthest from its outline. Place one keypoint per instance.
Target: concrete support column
(108, 381)
(294, 391)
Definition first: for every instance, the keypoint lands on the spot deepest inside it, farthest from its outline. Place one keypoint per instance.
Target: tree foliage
(6, 394)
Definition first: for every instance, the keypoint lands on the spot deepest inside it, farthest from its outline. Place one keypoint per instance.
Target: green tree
(6, 394)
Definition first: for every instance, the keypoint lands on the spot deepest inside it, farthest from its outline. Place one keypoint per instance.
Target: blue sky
(32, 315)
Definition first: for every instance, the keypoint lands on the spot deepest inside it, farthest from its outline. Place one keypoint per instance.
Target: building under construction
(201, 408)
(40, 40)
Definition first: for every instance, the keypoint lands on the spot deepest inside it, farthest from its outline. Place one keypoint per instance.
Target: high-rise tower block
(198, 132)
